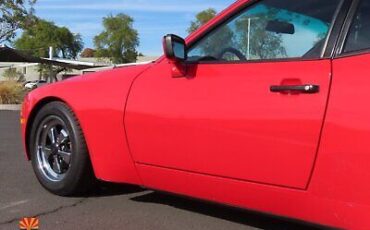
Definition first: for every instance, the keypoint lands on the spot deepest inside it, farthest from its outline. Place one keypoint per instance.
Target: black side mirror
(174, 47)
(280, 27)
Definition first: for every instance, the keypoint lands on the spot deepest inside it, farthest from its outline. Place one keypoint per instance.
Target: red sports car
(265, 108)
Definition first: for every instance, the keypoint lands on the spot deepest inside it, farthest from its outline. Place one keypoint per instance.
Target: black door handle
(295, 89)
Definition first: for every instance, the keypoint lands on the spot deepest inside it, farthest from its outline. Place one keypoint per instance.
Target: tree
(223, 37)
(14, 14)
(88, 53)
(37, 39)
(202, 18)
(119, 40)
(262, 43)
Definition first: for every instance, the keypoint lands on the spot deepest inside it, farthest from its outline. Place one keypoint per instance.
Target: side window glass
(269, 29)
(359, 34)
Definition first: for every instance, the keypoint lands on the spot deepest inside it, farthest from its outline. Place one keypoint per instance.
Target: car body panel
(98, 100)
(338, 193)
(313, 206)
(346, 135)
(223, 120)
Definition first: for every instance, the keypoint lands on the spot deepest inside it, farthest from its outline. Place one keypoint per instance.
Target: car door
(252, 103)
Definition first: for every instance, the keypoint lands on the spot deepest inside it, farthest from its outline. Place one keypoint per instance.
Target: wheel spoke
(47, 151)
(52, 135)
(56, 162)
(65, 155)
(62, 137)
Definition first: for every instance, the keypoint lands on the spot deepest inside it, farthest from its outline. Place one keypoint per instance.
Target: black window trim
(337, 27)
(339, 51)
(328, 49)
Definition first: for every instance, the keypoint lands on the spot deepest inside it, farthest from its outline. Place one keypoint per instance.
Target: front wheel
(59, 153)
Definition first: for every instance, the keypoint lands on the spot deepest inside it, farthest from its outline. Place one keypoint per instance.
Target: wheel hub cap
(54, 148)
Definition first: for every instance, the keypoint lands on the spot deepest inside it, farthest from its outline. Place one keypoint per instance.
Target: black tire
(71, 175)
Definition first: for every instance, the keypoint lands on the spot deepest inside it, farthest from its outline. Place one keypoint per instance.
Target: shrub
(12, 74)
(11, 92)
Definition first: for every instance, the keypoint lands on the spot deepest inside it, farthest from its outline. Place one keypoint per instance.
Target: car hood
(85, 87)
(88, 80)
(126, 71)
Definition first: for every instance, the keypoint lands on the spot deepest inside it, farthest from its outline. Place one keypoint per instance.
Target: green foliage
(14, 14)
(202, 18)
(119, 40)
(11, 92)
(37, 39)
(12, 74)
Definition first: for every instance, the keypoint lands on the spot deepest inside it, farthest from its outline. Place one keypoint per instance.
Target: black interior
(359, 35)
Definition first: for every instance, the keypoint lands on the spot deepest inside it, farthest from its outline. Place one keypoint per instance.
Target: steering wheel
(234, 51)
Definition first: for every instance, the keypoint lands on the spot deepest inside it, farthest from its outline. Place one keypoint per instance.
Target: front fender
(98, 101)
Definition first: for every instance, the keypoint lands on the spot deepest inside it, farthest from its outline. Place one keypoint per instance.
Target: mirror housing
(174, 48)
(280, 27)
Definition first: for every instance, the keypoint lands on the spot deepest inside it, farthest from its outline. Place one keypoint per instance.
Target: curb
(10, 107)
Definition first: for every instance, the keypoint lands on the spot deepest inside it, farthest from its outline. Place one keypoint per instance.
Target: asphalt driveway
(110, 206)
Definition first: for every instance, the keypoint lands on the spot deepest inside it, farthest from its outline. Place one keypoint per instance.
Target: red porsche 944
(265, 108)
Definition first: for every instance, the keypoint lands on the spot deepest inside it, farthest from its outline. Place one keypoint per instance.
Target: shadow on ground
(245, 217)
(104, 189)
(240, 216)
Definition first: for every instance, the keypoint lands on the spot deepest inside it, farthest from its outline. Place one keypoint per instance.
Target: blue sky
(153, 18)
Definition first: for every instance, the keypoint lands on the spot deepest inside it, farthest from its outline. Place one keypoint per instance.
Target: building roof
(11, 55)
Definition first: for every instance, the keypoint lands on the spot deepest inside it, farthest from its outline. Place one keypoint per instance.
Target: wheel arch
(32, 115)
